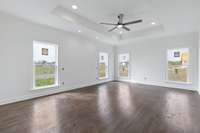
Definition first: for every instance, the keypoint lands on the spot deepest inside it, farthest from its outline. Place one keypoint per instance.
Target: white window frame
(57, 69)
(107, 68)
(129, 66)
(188, 67)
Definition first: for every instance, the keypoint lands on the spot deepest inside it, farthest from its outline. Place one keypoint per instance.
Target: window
(45, 61)
(103, 66)
(124, 65)
(178, 61)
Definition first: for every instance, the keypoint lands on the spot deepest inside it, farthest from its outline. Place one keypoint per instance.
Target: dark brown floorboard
(115, 107)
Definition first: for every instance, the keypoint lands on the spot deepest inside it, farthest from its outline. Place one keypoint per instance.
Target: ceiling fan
(120, 23)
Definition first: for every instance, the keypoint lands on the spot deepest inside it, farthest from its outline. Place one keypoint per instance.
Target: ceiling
(170, 16)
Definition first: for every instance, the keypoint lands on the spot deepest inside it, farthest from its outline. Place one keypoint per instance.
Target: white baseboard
(198, 91)
(46, 93)
(64, 89)
(162, 84)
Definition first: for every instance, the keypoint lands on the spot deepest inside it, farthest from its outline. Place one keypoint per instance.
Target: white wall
(148, 59)
(199, 63)
(77, 54)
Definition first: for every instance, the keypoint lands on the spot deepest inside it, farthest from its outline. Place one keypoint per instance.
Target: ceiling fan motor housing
(120, 23)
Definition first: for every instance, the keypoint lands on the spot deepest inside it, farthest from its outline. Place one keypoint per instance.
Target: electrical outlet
(63, 83)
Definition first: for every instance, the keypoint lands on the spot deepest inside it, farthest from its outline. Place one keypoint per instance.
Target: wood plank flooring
(114, 107)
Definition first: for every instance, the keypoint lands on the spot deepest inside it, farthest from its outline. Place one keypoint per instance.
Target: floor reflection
(177, 110)
(104, 105)
(115, 107)
(44, 116)
(125, 101)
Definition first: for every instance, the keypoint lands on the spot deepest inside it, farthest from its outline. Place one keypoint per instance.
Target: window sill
(45, 87)
(121, 77)
(179, 82)
(103, 78)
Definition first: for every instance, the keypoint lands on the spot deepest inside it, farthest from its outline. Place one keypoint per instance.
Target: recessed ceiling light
(79, 31)
(153, 23)
(75, 7)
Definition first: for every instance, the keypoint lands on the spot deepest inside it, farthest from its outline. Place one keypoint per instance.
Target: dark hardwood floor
(114, 107)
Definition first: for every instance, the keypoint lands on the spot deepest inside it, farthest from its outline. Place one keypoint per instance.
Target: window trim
(129, 66)
(108, 77)
(57, 67)
(188, 68)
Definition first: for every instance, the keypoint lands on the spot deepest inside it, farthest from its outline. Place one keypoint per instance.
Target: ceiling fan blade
(133, 22)
(108, 24)
(112, 29)
(126, 28)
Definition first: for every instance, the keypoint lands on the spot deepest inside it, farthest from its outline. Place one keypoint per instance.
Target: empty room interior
(99, 66)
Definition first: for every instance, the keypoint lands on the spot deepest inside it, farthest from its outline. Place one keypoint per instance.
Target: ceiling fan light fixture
(153, 23)
(120, 26)
(75, 7)
(121, 32)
